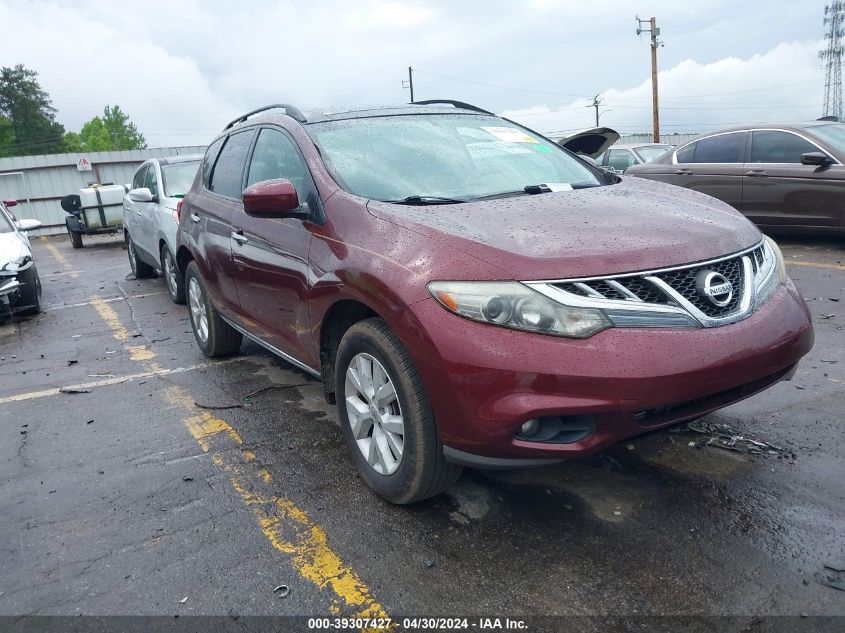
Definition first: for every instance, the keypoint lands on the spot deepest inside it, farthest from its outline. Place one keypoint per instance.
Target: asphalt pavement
(138, 477)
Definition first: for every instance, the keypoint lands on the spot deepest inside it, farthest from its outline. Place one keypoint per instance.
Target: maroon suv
(470, 293)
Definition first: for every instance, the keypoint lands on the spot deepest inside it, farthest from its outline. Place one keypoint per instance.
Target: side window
(208, 160)
(620, 159)
(725, 148)
(599, 158)
(138, 181)
(778, 147)
(276, 156)
(228, 175)
(151, 181)
(685, 154)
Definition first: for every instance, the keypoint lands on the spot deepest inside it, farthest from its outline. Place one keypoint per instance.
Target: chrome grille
(683, 282)
(672, 289)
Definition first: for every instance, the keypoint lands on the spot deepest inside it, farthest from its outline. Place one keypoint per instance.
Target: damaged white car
(20, 287)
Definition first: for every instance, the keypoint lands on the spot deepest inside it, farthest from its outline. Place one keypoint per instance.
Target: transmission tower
(834, 19)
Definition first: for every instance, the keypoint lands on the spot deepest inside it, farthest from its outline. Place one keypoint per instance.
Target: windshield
(178, 177)
(5, 223)
(650, 152)
(459, 157)
(832, 134)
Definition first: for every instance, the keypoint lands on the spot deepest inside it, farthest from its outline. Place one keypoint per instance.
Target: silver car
(150, 220)
(623, 155)
(20, 287)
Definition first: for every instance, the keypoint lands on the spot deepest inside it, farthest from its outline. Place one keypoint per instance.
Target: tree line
(28, 122)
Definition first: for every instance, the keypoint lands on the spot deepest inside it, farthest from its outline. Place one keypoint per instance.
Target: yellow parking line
(62, 260)
(288, 528)
(790, 262)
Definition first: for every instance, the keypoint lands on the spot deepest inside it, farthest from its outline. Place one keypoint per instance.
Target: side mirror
(274, 199)
(10, 203)
(816, 158)
(29, 225)
(142, 194)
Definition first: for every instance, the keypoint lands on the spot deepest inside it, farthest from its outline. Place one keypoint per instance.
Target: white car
(20, 287)
(149, 218)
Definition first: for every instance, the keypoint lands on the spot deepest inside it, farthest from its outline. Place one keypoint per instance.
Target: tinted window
(178, 177)
(449, 155)
(685, 154)
(769, 146)
(649, 152)
(227, 178)
(725, 148)
(620, 159)
(138, 181)
(150, 180)
(208, 160)
(276, 156)
(831, 133)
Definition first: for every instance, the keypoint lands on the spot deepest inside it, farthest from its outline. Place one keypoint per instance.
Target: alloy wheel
(198, 312)
(375, 415)
(170, 273)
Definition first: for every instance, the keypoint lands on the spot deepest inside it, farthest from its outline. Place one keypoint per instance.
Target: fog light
(530, 428)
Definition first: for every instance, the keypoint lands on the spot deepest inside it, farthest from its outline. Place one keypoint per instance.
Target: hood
(590, 142)
(12, 248)
(631, 226)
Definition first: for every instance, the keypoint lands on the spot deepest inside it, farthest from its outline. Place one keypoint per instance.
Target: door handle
(239, 237)
(683, 172)
(195, 217)
(756, 172)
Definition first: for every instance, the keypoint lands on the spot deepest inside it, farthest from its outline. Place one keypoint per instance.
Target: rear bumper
(484, 382)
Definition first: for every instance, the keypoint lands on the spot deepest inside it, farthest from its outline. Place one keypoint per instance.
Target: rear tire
(371, 355)
(75, 238)
(31, 291)
(139, 268)
(172, 279)
(214, 336)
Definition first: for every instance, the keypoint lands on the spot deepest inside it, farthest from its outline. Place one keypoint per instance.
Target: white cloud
(783, 84)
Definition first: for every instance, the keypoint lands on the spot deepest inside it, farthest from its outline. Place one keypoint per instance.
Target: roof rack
(291, 111)
(457, 104)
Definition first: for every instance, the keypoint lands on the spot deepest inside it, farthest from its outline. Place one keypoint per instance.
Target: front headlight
(772, 272)
(516, 306)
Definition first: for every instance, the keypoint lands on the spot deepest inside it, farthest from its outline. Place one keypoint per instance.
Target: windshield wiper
(423, 200)
(529, 189)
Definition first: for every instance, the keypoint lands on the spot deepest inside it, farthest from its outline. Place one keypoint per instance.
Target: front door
(271, 255)
(779, 191)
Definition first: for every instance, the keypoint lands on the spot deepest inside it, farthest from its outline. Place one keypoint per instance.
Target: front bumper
(484, 382)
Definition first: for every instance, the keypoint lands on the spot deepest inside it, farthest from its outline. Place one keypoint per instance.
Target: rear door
(271, 255)
(145, 234)
(713, 165)
(779, 191)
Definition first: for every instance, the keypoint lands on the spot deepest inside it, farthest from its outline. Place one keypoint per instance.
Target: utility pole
(409, 83)
(595, 104)
(654, 31)
(834, 16)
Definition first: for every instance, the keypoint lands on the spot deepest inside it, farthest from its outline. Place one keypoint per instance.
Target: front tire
(173, 280)
(31, 291)
(139, 268)
(214, 336)
(386, 417)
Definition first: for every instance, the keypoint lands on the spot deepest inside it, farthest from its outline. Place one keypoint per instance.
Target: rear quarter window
(208, 160)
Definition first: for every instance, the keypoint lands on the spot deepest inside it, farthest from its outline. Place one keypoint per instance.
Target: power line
(482, 83)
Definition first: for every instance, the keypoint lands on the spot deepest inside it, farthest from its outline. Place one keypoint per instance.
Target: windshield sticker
(510, 135)
(559, 186)
(545, 149)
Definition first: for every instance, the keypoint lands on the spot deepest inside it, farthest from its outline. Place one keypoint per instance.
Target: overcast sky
(182, 68)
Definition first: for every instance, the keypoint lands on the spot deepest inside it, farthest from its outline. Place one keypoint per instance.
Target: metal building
(38, 183)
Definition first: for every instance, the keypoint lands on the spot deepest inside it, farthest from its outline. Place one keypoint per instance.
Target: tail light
(178, 213)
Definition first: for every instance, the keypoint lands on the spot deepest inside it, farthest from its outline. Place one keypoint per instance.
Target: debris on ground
(215, 407)
(832, 575)
(233, 613)
(428, 563)
(73, 390)
(72, 362)
(283, 591)
(725, 437)
(183, 600)
(187, 478)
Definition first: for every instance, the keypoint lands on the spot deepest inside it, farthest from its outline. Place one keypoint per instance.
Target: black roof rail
(457, 104)
(291, 111)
